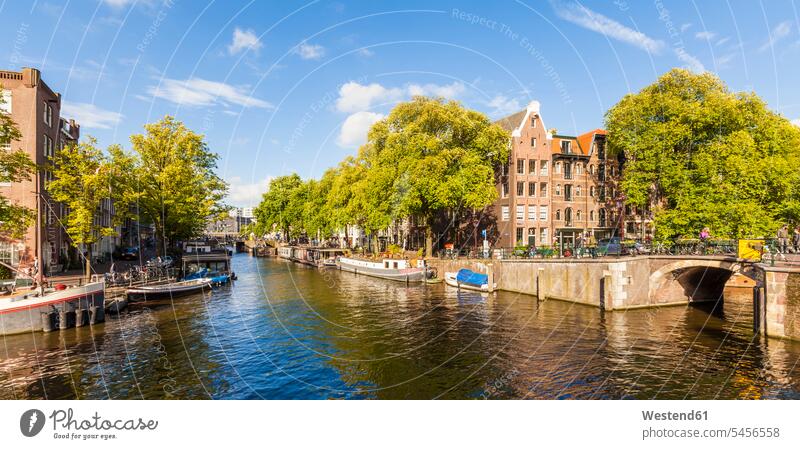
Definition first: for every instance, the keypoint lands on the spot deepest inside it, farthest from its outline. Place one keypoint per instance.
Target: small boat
(393, 269)
(116, 305)
(468, 280)
(219, 278)
(33, 310)
(170, 290)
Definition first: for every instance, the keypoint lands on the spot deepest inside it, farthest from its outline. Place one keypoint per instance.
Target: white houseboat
(394, 269)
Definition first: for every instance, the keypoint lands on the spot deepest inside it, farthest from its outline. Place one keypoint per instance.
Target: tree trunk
(428, 241)
(88, 263)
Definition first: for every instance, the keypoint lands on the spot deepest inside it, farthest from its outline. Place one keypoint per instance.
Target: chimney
(30, 77)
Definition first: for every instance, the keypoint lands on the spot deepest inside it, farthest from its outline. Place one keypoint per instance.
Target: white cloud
(365, 52)
(685, 27)
(586, 18)
(705, 35)
(90, 116)
(360, 97)
(355, 128)
(723, 40)
(435, 90)
(354, 97)
(200, 92)
(690, 61)
(501, 105)
(244, 194)
(244, 40)
(118, 3)
(308, 51)
(777, 34)
(796, 122)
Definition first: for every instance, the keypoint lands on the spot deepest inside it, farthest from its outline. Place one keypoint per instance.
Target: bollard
(490, 278)
(48, 321)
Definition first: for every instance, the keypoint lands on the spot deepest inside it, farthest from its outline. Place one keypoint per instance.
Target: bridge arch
(693, 279)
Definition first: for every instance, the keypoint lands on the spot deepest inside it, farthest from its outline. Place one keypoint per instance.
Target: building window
(533, 122)
(533, 142)
(566, 147)
(591, 169)
(520, 166)
(505, 190)
(505, 170)
(557, 191)
(567, 192)
(567, 170)
(542, 168)
(532, 212)
(543, 189)
(578, 168)
(504, 211)
(532, 166)
(531, 236)
(578, 215)
(520, 212)
(543, 238)
(591, 191)
(519, 235)
(531, 189)
(591, 215)
(557, 168)
(558, 214)
(601, 217)
(48, 114)
(47, 146)
(542, 213)
(568, 216)
(520, 188)
(577, 190)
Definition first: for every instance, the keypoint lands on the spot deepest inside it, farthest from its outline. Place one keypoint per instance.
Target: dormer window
(566, 147)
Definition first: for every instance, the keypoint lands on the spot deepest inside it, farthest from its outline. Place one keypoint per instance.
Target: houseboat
(312, 255)
(393, 269)
(209, 255)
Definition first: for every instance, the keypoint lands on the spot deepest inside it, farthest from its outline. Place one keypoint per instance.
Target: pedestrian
(796, 239)
(705, 234)
(783, 238)
(591, 243)
(579, 245)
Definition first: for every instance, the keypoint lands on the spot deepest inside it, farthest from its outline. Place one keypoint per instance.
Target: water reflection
(289, 331)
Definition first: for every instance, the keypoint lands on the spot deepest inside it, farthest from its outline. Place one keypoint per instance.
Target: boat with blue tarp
(468, 280)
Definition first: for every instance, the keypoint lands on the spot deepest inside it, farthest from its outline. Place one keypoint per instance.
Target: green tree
(430, 155)
(81, 181)
(277, 207)
(705, 156)
(173, 173)
(15, 166)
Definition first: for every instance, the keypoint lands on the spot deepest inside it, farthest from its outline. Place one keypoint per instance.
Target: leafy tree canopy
(15, 166)
(705, 156)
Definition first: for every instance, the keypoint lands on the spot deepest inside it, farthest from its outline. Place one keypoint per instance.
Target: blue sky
(289, 86)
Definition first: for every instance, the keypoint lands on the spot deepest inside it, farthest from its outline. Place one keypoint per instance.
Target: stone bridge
(648, 281)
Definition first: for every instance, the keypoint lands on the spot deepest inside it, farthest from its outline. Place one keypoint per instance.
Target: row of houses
(36, 110)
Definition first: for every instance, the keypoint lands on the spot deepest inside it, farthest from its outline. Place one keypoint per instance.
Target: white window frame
(542, 168)
(542, 213)
(520, 212)
(504, 213)
(531, 212)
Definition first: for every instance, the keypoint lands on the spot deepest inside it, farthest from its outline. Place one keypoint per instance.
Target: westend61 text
(691, 415)
(95, 422)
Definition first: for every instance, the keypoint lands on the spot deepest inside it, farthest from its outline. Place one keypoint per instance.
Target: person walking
(796, 239)
(783, 238)
(591, 243)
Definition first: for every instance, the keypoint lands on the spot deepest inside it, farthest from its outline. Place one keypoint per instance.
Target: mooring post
(490, 269)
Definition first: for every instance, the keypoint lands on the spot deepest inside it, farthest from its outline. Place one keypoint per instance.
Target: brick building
(35, 108)
(554, 187)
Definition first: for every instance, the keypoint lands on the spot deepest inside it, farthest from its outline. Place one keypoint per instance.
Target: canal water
(294, 332)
